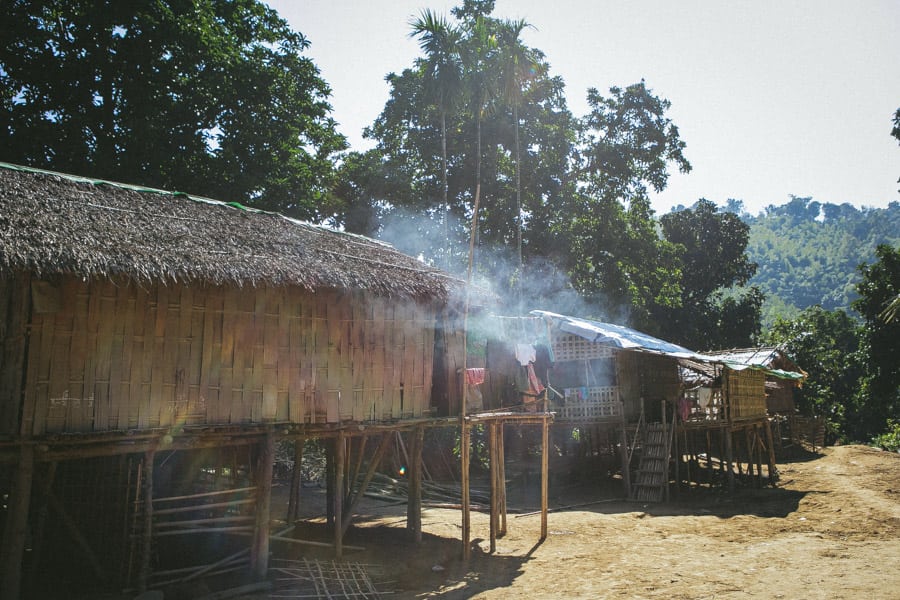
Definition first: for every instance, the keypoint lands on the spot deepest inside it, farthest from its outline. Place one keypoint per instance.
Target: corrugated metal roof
(619, 336)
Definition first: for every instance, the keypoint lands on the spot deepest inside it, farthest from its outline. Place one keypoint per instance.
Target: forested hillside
(808, 252)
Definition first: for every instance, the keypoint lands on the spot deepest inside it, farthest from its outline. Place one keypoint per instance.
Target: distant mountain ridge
(808, 252)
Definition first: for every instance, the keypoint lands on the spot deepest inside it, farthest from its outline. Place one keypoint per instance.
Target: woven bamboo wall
(745, 393)
(118, 357)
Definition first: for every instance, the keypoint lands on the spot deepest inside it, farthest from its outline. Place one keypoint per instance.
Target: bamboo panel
(746, 393)
(572, 347)
(108, 372)
(120, 375)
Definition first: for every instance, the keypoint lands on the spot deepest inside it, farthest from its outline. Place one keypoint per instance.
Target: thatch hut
(619, 391)
(135, 322)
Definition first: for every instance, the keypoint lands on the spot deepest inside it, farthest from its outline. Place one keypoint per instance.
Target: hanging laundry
(475, 376)
(534, 384)
(525, 354)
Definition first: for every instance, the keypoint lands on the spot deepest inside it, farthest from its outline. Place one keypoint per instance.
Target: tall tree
(712, 247)
(825, 344)
(442, 72)
(211, 98)
(880, 390)
(519, 64)
(617, 258)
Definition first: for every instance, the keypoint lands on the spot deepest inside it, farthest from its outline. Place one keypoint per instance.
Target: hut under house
(623, 396)
(156, 346)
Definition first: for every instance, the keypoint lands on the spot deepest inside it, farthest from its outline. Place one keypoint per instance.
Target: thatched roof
(59, 224)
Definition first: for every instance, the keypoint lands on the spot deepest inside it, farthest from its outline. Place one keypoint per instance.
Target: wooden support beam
(293, 511)
(770, 446)
(729, 456)
(493, 445)
(14, 534)
(40, 524)
(464, 446)
(414, 494)
(545, 475)
(147, 533)
(501, 476)
(340, 451)
(259, 550)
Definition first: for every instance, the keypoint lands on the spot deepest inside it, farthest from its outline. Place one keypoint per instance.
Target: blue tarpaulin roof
(625, 338)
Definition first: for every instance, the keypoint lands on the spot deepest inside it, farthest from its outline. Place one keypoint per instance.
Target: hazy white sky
(771, 97)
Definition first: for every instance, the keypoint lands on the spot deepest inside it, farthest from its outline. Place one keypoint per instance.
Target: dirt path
(830, 530)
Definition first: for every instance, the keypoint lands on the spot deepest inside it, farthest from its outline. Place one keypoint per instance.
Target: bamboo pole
(495, 488)
(296, 481)
(38, 544)
(545, 475)
(414, 496)
(259, 551)
(147, 539)
(501, 475)
(464, 444)
(340, 449)
(14, 534)
(770, 446)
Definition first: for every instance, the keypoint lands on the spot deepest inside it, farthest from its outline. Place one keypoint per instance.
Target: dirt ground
(830, 529)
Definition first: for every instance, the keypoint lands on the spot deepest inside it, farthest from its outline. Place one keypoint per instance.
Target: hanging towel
(534, 383)
(475, 376)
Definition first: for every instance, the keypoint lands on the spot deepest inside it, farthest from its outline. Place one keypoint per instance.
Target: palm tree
(443, 72)
(518, 63)
(477, 53)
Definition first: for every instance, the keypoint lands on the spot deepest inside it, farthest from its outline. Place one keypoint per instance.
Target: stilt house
(151, 334)
(620, 391)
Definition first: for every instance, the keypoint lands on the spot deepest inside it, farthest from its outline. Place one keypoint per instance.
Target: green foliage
(808, 252)
(711, 251)
(826, 345)
(209, 98)
(890, 439)
(880, 340)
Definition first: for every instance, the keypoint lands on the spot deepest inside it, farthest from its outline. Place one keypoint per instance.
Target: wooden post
(340, 447)
(501, 476)
(330, 449)
(259, 551)
(464, 443)
(495, 488)
(147, 539)
(14, 533)
(729, 456)
(759, 450)
(41, 522)
(545, 474)
(626, 465)
(770, 446)
(296, 482)
(414, 495)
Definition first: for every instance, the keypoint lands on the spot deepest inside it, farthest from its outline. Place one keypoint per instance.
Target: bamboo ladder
(651, 483)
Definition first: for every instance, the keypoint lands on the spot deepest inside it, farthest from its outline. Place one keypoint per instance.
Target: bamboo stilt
(414, 498)
(501, 475)
(340, 450)
(495, 501)
(147, 539)
(14, 533)
(293, 511)
(259, 552)
(770, 446)
(545, 475)
(464, 444)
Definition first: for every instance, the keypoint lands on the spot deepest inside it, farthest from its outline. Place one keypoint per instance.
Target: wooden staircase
(651, 481)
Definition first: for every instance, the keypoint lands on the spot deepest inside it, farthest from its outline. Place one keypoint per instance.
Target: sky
(772, 98)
